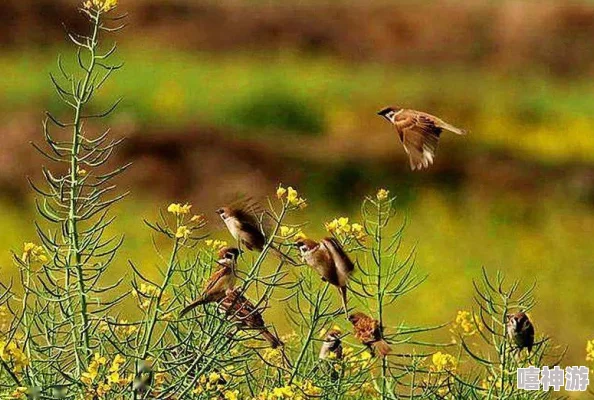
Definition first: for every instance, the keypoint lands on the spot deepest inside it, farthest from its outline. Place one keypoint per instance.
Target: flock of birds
(419, 133)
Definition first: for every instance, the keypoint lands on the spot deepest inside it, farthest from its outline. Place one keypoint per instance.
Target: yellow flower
(273, 356)
(20, 393)
(382, 194)
(332, 226)
(590, 350)
(443, 362)
(100, 5)
(182, 232)
(292, 195)
(358, 230)
(285, 392)
(311, 390)
(214, 377)
(231, 395)
(465, 323)
(294, 199)
(280, 192)
(10, 352)
(300, 235)
(178, 209)
(33, 253)
(99, 359)
(216, 245)
(286, 231)
(117, 363)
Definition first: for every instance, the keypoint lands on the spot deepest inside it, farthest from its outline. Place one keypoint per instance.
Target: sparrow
(329, 260)
(222, 279)
(369, 332)
(332, 346)
(244, 228)
(521, 331)
(239, 309)
(419, 133)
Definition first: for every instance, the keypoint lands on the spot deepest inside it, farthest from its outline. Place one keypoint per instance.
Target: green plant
(62, 335)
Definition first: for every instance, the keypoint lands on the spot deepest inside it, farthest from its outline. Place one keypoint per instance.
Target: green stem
(310, 334)
(153, 321)
(74, 253)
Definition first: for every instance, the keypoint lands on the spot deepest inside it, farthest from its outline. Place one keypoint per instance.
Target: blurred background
(235, 96)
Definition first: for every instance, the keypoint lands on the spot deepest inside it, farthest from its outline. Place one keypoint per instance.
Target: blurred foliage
(529, 115)
(275, 107)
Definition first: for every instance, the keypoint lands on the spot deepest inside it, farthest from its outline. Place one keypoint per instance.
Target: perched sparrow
(239, 309)
(521, 331)
(332, 346)
(369, 332)
(222, 279)
(419, 133)
(329, 260)
(243, 226)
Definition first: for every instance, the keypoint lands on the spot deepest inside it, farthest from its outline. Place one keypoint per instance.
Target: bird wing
(250, 226)
(217, 281)
(341, 260)
(242, 310)
(440, 123)
(419, 135)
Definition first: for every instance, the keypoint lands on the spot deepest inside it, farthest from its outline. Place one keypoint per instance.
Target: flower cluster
(33, 253)
(100, 5)
(466, 324)
(179, 209)
(288, 232)
(355, 362)
(214, 383)
(215, 245)
(10, 353)
(296, 391)
(292, 196)
(443, 362)
(183, 230)
(99, 378)
(342, 227)
(382, 194)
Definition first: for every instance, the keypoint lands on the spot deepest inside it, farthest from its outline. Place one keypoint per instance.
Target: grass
(529, 115)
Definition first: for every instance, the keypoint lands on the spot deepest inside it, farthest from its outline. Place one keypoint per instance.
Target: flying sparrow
(222, 279)
(521, 331)
(329, 260)
(244, 228)
(332, 346)
(369, 332)
(239, 309)
(419, 133)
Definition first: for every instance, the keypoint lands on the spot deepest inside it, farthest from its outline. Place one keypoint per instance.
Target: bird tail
(382, 348)
(194, 304)
(271, 338)
(283, 256)
(452, 128)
